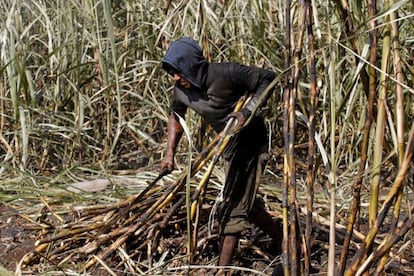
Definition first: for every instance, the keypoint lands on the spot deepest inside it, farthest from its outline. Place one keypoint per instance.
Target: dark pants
(243, 172)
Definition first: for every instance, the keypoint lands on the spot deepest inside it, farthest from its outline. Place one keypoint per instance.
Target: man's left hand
(240, 117)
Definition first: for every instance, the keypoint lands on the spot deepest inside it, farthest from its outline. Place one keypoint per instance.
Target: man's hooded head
(185, 56)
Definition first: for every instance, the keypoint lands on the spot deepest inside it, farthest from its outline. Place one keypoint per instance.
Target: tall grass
(81, 91)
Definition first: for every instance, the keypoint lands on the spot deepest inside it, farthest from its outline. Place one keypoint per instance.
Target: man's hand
(167, 163)
(240, 117)
(174, 134)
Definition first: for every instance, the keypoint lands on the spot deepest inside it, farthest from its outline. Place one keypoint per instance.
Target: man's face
(178, 78)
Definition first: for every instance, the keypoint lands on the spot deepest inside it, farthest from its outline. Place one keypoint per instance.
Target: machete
(163, 173)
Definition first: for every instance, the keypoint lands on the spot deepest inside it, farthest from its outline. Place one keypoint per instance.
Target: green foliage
(85, 75)
(81, 84)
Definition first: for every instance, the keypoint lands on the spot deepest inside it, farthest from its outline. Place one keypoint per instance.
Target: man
(212, 90)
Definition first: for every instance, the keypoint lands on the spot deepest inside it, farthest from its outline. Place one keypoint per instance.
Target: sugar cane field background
(84, 105)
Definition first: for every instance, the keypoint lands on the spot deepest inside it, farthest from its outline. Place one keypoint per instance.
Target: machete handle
(164, 172)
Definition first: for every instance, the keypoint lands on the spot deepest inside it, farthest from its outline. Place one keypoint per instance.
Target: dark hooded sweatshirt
(216, 87)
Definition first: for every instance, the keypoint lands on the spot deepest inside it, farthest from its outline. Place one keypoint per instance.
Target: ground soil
(18, 236)
(16, 240)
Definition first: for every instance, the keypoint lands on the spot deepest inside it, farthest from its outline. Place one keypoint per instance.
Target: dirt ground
(17, 238)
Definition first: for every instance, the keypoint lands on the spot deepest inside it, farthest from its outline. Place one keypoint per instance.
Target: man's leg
(228, 246)
(240, 186)
(262, 219)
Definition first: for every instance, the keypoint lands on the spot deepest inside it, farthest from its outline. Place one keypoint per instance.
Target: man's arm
(252, 79)
(174, 133)
(265, 77)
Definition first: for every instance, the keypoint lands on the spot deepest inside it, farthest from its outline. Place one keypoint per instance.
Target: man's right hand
(167, 164)
(174, 134)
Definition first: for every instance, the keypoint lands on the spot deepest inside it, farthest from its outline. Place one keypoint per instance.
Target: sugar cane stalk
(356, 186)
(311, 149)
(399, 119)
(287, 158)
(397, 185)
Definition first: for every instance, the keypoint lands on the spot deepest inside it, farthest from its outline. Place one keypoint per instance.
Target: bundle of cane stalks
(130, 236)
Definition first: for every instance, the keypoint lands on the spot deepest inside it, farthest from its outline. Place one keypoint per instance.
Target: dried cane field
(84, 105)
